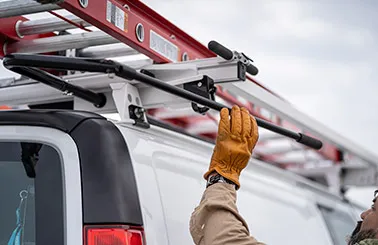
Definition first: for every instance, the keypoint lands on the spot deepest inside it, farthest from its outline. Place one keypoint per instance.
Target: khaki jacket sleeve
(216, 221)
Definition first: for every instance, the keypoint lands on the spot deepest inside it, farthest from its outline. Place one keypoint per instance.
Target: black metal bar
(108, 66)
(59, 63)
(227, 54)
(98, 100)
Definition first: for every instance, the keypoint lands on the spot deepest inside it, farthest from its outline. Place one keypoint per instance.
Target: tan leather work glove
(235, 141)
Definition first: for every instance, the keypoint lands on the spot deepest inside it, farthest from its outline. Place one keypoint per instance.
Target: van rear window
(19, 173)
(340, 224)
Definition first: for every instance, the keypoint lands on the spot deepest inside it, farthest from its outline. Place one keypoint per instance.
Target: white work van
(71, 177)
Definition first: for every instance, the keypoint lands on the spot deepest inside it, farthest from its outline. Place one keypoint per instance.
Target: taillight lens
(113, 235)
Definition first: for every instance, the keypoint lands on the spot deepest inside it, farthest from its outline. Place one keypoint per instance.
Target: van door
(40, 188)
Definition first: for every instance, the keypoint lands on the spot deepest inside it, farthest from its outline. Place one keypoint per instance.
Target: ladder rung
(58, 43)
(21, 7)
(106, 51)
(47, 25)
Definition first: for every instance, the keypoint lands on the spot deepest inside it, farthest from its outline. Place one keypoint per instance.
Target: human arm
(217, 220)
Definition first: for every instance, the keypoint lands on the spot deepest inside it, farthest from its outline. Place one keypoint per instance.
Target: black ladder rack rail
(16, 61)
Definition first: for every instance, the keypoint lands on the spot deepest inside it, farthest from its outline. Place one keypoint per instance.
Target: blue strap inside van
(15, 238)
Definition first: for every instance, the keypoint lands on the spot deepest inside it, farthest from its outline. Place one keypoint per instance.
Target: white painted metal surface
(126, 94)
(68, 152)
(169, 169)
(218, 69)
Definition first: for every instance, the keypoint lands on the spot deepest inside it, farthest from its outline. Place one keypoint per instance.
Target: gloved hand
(235, 141)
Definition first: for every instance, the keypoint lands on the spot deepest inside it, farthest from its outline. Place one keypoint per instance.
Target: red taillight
(113, 235)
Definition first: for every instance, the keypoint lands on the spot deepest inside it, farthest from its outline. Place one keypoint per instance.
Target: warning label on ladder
(116, 16)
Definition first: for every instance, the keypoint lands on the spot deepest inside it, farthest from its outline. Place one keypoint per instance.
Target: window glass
(340, 224)
(23, 168)
(281, 218)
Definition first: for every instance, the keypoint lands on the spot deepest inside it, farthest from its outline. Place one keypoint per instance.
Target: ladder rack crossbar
(128, 73)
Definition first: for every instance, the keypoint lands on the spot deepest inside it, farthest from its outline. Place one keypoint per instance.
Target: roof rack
(123, 57)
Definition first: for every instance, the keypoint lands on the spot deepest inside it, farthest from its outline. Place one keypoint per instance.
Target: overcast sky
(320, 56)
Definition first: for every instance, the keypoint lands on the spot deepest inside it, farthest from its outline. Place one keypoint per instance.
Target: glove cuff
(233, 176)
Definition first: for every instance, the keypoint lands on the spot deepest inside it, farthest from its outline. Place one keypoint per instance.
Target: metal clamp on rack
(197, 76)
(205, 88)
(129, 105)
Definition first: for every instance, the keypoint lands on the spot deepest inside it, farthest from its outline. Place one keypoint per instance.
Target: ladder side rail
(124, 19)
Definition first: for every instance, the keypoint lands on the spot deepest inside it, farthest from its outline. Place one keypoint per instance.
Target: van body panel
(276, 208)
(117, 173)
